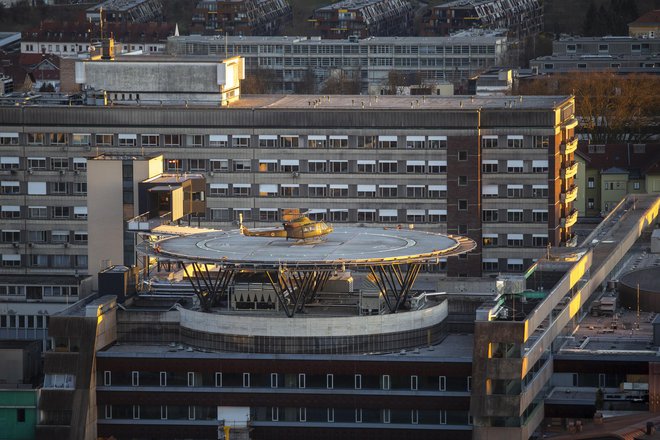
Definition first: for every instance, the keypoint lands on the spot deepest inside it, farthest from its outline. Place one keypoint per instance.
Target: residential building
(610, 172)
(364, 18)
(648, 25)
(287, 62)
(82, 38)
(132, 11)
(240, 17)
(594, 54)
(520, 18)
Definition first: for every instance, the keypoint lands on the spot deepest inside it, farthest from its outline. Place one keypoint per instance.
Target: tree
(342, 83)
(306, 86)
(258, 81)
(610, 107)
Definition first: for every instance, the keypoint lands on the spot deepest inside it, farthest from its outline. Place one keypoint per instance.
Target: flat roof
(454, 348)
(345, 246)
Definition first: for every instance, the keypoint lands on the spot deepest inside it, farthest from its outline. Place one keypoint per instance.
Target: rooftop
(117, 5)
(651, 18)
(349, 4)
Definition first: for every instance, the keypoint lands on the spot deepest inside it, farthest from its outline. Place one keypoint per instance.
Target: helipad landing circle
(348, 245)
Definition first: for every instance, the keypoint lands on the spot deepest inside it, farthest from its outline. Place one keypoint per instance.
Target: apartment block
(520, 18)
(292, 59)
(130, 11)
(364, 18)
(594, 54)
(242, 17)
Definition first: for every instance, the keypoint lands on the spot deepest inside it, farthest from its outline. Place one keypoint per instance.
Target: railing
(570, 219)
(569, 146)
(570, 171)
(143, 223)
(570, 195)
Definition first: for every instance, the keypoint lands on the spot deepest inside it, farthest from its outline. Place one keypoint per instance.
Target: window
(541, 142)
(329, 381)
(539, 166)
(514, 191)
(490, 264)
(469, 383)
(20, 415)
(366, 166)
(415, 191)
(218, 189)
(489, 142)
(80, 164)
(358, 381)
(338, 166)
(274, 414)
(462, 180)
(413, 382)
(107, 378)
(36, 163)
(268, 141)
(302, 414)
(514, 240)
(462, 155)
(387, 166)
(150, 140)
(339, 215)
(316, 190)
(268, 166)
(316, 166)
(135, 378)
(437, 142)
(388, 191)
(60, 212)
(80, 212)
(385, 415)
(591, 203)
(290, 166)
(242, 165)
(366, 191)
(415, 166)
(191, 379)
(514, 265)
(514, 141)
(415, 215)
(540, 191)
(9, 163)
(514, 166)
(127, 140)
(273, 380)
(539, 240)
(8, 138)
(58, 139)
(358, 415)
(490, 215)
(462, 204)
(489, 166)
(268, 215)
(414, 416)
(35, 138)
(79, 139)
(59, 236)
(388, 215)
(514, 215)
(219, 165)
(59, 163)
(366, 215)
(540, 216)
(289, 190)
(366, 141)
(437, 166)
(636, 185)
(196, 164)
(170, 140)
(591, 182)
(11, 260)
(301, 380)
(8, 187)
(437, 191)
(385, 382)
(163, 378)
(338, 142)
(58, 187)
(194, 140)
(338, 190)
(315, 141)
(387, 142)
(416, 142)
(36, 212)
(104, 140)
(289, 141)
(246, 380)
(11, 236)
(218, 380)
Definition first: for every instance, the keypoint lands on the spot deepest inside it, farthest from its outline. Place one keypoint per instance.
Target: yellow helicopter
(296, 226)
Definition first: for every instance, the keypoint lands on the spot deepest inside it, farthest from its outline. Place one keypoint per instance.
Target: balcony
(569, 124)
(143, 223)
(569, 146)
(570, 195)
(569, 171)
(571, 241)
(570, 219)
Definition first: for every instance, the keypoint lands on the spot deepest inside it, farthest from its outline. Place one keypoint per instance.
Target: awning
(387, 138)
(218, 138)
(415, 162)
(366, 188)
(416, 138)
(289, 162)
(316, 137)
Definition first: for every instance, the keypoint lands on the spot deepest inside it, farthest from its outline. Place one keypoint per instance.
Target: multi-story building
(519, 17)
(242, 17)
(648, 25)
(70, 39)
(364, 18)
(131, 11)
(291, 59)
(594, 54)
(610, 172)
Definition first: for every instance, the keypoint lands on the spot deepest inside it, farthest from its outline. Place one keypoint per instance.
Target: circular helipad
(350, 246)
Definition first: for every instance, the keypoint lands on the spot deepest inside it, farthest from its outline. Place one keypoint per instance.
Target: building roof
(651, 18)
(77, 32)
(350, 4)
(116, 5)
(622, 158)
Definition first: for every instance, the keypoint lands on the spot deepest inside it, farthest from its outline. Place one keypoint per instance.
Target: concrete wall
(237, 324)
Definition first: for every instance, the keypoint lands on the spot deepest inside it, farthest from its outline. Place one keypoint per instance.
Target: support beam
(209, 289)
(393, 284)
(295, 288)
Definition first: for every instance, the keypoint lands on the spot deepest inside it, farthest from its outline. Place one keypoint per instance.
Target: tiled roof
(76, 32)
(650, 18)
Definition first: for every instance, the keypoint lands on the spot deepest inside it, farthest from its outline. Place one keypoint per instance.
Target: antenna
(240, 223)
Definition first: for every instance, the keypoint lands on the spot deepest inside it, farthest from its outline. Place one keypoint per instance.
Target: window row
(43, 163)
(289, 414)
(489, 166)
(43, 188)
(43, 212)
(503, 265)
(282, 380)
(514, 240)
(515, 191)
(335, 215)
(43, 236)
(514, 215)
(38, 292)
(307, 166)
(324, 190)
(24, 321)
(44, 261)
(515, 141)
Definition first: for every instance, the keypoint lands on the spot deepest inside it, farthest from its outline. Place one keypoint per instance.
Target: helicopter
(296, 226)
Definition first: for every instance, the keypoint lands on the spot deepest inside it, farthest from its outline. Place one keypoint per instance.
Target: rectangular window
(540, 191)
(514, 166)
(469, 383)
(274, 414)
(366, 142)
(9, 163)
(413, 382)
(514, 240)
(514, 215)
(35, 138)
(331, 415)
(11, 236)
(489, 166)
(289, 141)
(195, 140)
(170, 140)
(36, 163)
(514, 265)
(58, 138)
(539, 240)
(301, 380)
(127, 140)
(8, 187)
(150, 140)
(358, 415)
(191, 379)
(273, 380)
(490, 215)
(358, 381)
(416, 142)
(387, 142)
(218, 380)
(108, 411)
(462, 204)
(8, 138)
(219, 165)
(414, 416)
(540, 216)
(107, 378)
(191, 412)
(246, 380)
(339, 166)
(316, 141)
(302, 414)
(242, 165)
(442, 383)
(387, 166)
(385, 415)
(338, 142)
(514, 191)
(338, 190)
(462, 156)
(329, 381)
(135, 378)
(437, 166)
(80, 139)
(514, 141)
(489, 142)
(437, 142)
(58, 187)
(317, 190)
(104, 140)
(221, 141)
(591, 182)
(385, 382)
(539, 166)
(163, 378)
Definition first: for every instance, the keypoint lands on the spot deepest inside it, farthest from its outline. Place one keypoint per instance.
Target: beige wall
(105, 215)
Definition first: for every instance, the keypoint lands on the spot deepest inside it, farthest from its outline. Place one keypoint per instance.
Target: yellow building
(648, 25)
